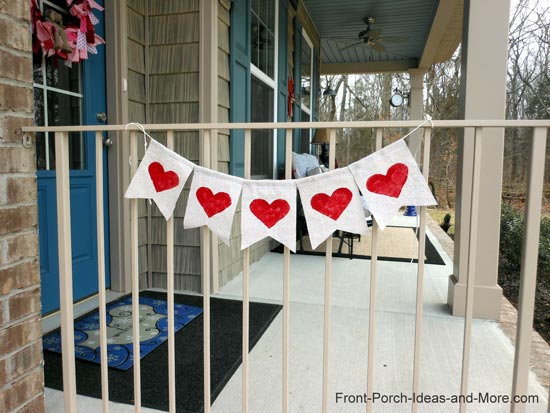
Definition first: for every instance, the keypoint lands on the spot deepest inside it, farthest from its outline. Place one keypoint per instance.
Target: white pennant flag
(160, 176)
(269, 210)
(389, 179)
(213, 199)
(331, 202)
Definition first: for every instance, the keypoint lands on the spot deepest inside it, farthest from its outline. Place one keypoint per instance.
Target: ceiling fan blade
(377, 46)
(392, 39)
(351, 45)
(341, 38)
(374, 33)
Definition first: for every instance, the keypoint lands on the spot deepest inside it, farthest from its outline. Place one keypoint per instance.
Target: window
(261, 110)
(263, 37)
(57, 101)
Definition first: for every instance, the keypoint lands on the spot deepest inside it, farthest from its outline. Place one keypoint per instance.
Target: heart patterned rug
(153, 327)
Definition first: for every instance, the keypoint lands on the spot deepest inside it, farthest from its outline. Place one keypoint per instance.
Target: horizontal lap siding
(137, 102)
(173, 66)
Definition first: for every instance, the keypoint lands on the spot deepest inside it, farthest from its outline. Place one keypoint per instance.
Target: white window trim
(272, 83)
(303, 107)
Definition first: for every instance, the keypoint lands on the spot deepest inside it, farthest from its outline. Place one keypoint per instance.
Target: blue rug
(153, 331)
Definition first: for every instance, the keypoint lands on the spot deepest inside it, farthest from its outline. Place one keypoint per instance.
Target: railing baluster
(246, 278)
(62, 186)
(215, 259)
(470, 279)
(372, 293)
(420, 272)
(328, 279)
(529, 259)
(135, 276)
(170, 299)
(286, 283)
(206, 243)
(101, 272)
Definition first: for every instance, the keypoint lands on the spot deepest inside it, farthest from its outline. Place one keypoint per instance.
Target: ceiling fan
(372, 37)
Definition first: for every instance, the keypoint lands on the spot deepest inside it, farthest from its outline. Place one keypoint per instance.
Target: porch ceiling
(432, 30)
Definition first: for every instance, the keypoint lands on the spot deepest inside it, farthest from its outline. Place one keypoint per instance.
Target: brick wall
(21, 375)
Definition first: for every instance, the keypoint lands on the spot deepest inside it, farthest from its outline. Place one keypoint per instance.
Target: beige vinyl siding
(173, 66)
(137, 109)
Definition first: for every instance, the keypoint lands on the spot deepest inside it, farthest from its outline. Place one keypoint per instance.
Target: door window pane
(62, 77)
(57, 101)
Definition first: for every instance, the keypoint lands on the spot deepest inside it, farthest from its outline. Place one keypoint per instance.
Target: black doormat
(226, 356)
(432, 255)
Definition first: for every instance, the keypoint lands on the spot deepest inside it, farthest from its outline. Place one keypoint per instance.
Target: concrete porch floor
(492, 352)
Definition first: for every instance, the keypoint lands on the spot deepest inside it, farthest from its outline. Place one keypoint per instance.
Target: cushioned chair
(308, 165)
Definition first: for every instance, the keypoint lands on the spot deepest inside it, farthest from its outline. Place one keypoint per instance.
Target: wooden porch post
(483, 96)
(416, 100)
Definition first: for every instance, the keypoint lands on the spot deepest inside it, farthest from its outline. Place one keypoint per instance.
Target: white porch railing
(528, 266)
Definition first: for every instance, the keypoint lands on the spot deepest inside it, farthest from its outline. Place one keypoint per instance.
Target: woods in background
(366, 97)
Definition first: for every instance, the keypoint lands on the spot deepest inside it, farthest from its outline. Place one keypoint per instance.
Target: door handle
(101, 116)
(107, 141)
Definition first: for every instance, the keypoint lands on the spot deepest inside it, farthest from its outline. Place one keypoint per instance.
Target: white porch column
(483, 96)
(416, 101)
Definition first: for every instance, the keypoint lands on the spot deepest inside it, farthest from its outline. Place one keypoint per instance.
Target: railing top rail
(301, 125)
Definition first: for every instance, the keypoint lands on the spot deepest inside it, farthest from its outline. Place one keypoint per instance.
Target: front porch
(492, 352)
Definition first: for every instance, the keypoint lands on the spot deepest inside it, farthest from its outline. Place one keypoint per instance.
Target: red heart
(268, 213)
(390, 184)
(212, 204)
(332, 206)
(162, 180)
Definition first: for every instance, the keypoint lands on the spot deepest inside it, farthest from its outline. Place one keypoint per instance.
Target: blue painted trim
(296, 144)
(239, 87)
(282, 101)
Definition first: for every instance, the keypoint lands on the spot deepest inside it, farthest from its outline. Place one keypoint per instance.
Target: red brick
(15, 67)
(35, 406)
(26, 360)
(17, 219)
(4, 377)
(21, 247)
(23, 304)
(21, 189)
(17, 160)
(17, 8)
(16, 98)
(19, 335)
(15, 35)
(3, 315)
(20, 276)
(21, 391)
(11, 126)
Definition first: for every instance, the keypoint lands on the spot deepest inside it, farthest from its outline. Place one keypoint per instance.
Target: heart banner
(213, 199)
(269, 210)
(160, 176)
(387, 179)
(331, 202)
(390, 179)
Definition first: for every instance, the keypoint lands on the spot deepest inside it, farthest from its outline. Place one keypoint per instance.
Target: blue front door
(69, 96)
